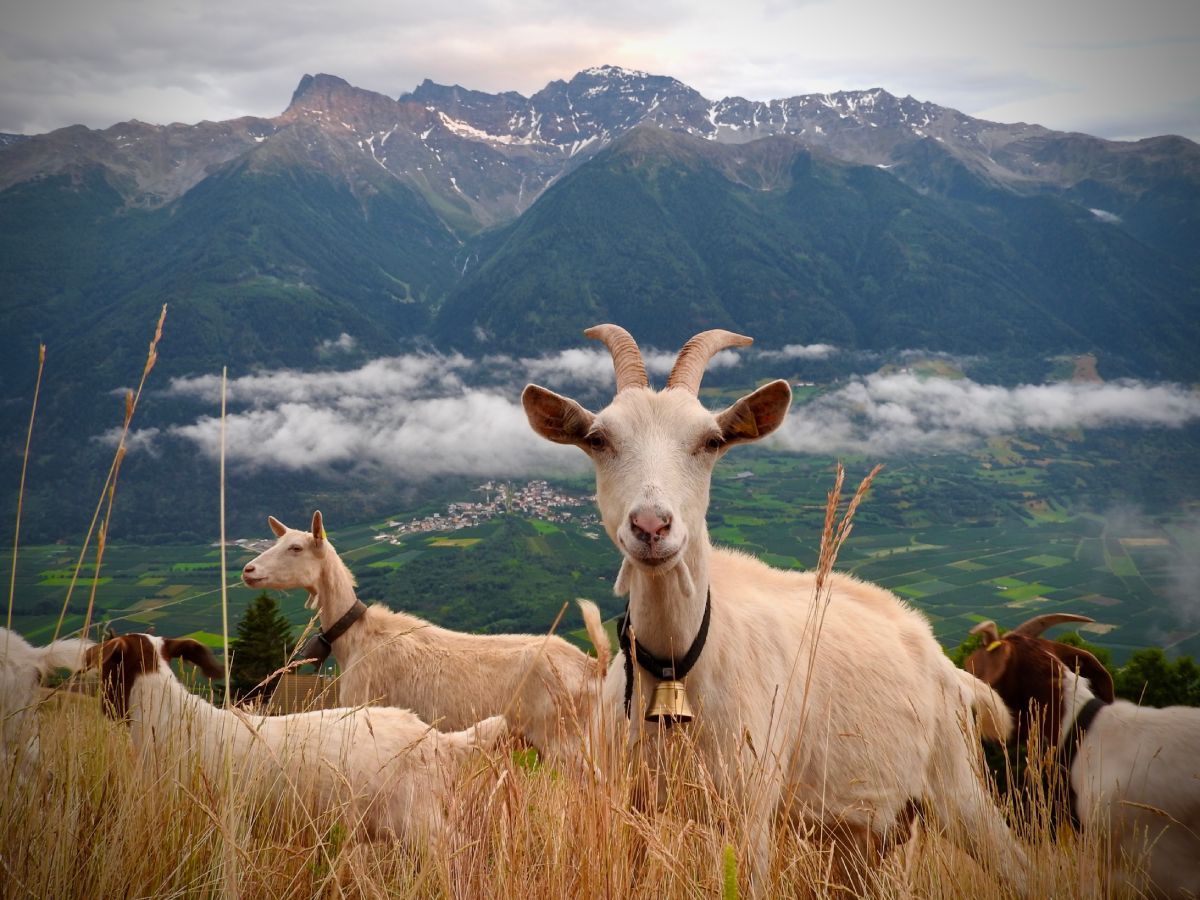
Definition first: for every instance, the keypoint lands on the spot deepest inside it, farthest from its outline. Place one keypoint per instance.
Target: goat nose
(249, 569)
(649, 526)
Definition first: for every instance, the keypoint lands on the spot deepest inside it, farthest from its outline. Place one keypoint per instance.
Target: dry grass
(96, 823)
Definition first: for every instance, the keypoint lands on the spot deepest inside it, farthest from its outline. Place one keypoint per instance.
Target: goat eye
(713, 444)
(596, 442)
(295, 548)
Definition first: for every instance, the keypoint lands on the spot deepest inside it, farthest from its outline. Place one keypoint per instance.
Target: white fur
(833, 713)
(22, 667)
(391, 770)
(543, 684)
(1137, 773)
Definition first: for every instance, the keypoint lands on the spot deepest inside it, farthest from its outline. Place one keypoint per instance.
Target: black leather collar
(320, 645)
(1070, 749)
(663, 669)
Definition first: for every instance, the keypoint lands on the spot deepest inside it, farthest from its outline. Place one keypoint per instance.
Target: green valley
(1013, 529)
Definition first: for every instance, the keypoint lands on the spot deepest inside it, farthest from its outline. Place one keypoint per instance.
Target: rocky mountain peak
(314, 87)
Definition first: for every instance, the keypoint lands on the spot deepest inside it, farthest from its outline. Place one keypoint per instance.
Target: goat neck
(1076, 694)
(335, 590)
(666, 608)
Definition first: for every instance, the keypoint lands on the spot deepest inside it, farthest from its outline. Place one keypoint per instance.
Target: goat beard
(680, 569)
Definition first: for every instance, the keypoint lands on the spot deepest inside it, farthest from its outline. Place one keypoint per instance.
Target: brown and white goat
(1133, 770)
(545, 685)
(386, 769)
(843, 716)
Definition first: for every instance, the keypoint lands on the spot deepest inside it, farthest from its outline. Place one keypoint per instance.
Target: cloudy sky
(416, 416)
(1114, 68)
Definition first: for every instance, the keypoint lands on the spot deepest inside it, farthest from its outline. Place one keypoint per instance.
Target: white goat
(388, 769)
(1133, 770)
(22, 667)
(544, 684)
(844, 716)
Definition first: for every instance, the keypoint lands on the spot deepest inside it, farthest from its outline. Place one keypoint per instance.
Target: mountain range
(511, 222)
(489, 223)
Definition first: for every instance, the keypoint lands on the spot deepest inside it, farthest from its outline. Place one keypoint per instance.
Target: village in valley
(535, 499)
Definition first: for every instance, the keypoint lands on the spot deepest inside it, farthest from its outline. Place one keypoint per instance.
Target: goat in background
(1132, 770)
(545, 685)
(390, 772)
(22, 667)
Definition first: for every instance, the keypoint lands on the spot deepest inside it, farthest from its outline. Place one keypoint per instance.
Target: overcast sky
(1115, 68)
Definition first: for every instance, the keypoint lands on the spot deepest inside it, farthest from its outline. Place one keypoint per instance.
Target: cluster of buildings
(536, 499)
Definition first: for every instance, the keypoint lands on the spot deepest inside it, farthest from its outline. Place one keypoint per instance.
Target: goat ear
(195, 653)
(756, 415)
(554, 417)
(1079, 660)
(276, 526)
(98, 655)
(318, 526)
(989, 664)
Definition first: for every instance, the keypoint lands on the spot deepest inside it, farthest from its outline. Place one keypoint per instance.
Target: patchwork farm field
(1005, 533)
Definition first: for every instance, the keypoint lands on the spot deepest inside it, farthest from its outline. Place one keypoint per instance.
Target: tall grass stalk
(12, 578)
(110, 485)
(229, 879)
(834, 534)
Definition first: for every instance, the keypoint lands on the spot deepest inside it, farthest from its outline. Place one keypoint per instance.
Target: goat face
(654, 452)
(295, 561)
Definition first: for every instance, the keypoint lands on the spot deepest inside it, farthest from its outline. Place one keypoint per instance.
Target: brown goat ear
(276, 526)
(1080, 661)
(318, 526)
(554, 417)
(195, 653)
(95, 655)
(757, 414)
(111, 659)
(98, 656)
(989, 663)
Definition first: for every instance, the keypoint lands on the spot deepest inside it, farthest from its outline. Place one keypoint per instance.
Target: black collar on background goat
(320, 645)
(664, 669)
(1066, 756)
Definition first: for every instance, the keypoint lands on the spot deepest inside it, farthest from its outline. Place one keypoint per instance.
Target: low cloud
(144, 440)
(1177, 550)
(800, 351)
(416, 416)
(343, 343)
(882, 415)
(475, 432)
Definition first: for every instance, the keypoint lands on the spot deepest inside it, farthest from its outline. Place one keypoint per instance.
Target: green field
(962, 537)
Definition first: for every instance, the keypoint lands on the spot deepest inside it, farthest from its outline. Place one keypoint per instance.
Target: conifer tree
(262, 645)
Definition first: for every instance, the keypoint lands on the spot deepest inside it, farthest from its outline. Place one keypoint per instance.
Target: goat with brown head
(122, 660)
(1025, 669)
(1128, 768)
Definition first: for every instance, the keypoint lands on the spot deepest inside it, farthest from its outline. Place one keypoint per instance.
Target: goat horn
(1035, 626)
(989, 631)
(689, 365)
(627, 358)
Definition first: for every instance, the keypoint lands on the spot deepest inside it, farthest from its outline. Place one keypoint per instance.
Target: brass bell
(669, 703)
